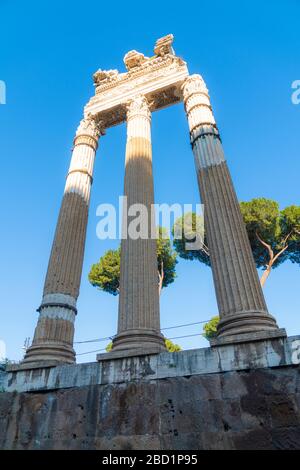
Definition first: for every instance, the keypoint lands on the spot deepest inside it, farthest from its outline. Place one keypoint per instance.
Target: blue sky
(248, 53)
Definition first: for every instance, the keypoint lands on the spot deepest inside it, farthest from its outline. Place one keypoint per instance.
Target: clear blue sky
(248, 53)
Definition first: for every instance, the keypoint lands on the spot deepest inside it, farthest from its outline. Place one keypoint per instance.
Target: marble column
(241, 303)
(139, 322)
(53, 338)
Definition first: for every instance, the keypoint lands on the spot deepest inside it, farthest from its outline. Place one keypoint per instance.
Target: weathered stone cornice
(158, 78)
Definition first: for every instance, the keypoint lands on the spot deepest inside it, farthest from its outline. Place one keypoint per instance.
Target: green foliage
(166, 258)
(171, 347)
(185, 231)
(210, 328)
(105, 275)
(262, 219)
(272, 233)
(290, 220)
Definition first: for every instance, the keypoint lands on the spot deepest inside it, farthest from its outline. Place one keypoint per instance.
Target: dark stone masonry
(250, 408)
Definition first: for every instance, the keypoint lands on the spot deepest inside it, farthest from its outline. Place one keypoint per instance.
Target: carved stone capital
(90, 127)
(198, 108)
(192, 85)
(138, 106)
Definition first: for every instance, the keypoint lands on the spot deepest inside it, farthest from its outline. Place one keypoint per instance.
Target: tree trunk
(265, 276)
(272, 258)
(161, 278)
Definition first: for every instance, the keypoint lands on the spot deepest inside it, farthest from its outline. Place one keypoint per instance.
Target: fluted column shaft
(53, 338)
(240, 299)
(139, 322)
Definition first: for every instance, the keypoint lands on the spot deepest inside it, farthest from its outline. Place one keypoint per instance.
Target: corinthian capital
(194, 84)
(138, 106)
(90, 127)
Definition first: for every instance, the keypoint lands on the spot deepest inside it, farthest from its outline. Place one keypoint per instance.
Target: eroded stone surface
(258, 409)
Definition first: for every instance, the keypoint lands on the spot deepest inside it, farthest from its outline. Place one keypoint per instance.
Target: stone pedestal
(53, 338)
(240, 299)
(139, 322)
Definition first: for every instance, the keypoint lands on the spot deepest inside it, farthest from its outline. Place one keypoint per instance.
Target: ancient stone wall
(259, 409)
(203, 399)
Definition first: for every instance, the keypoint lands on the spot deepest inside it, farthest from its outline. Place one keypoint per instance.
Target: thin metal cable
(175, 337)
(162, 329)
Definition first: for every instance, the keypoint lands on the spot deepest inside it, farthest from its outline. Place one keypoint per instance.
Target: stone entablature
(158, 78)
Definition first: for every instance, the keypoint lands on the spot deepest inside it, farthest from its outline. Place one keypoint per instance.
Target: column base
(246, 322)
(249, 337)
(246, 326)
(55, 353)
(139, 339)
